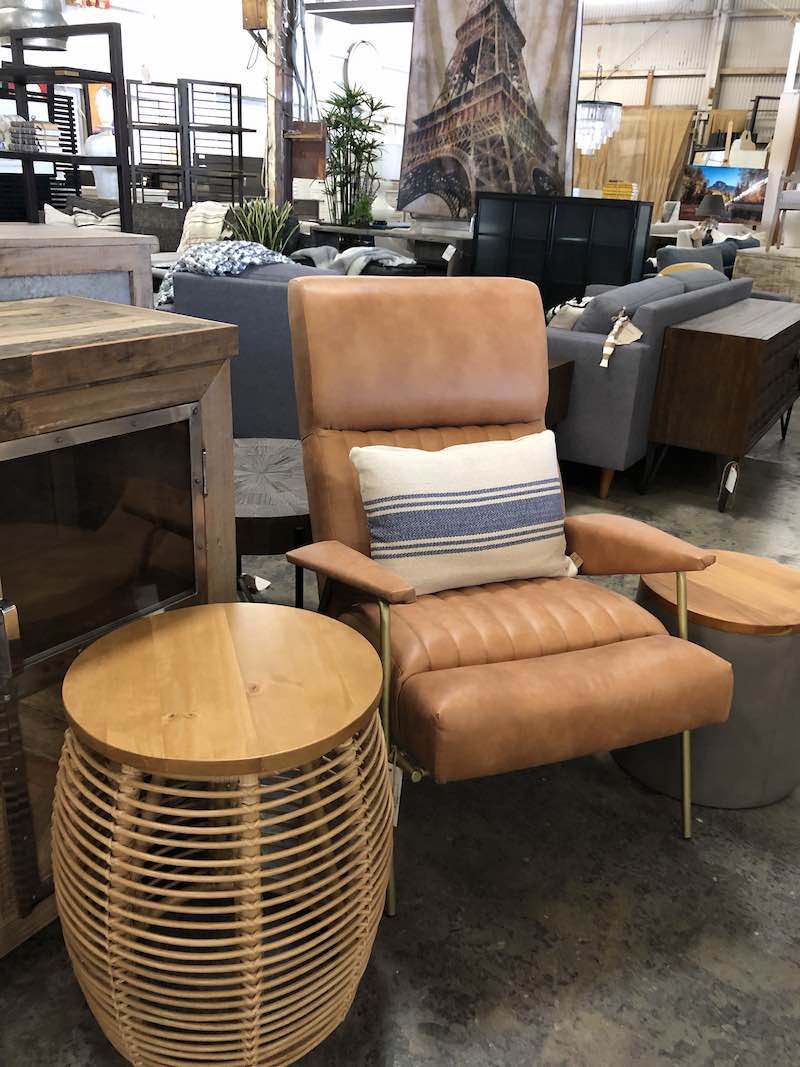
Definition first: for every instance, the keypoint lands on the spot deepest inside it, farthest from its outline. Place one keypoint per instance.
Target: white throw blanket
(353, 260)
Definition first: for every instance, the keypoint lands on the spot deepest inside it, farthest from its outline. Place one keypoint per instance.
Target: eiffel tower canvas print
(489, 102)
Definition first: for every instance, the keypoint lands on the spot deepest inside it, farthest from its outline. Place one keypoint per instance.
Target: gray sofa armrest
(654, 318)
(603, 425)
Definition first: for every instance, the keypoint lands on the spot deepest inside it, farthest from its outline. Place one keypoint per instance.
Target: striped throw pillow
(109, 220)
(466, 515)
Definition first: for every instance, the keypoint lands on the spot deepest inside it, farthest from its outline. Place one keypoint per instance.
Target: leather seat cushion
(480, 720)
(503, 622)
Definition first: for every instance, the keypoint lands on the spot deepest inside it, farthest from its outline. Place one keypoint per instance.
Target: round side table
(747, 610)
(222, 832)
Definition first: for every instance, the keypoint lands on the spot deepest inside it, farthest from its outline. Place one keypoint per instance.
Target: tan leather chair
(498, 677)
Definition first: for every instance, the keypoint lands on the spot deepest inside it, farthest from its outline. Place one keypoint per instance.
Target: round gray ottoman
(746, 610)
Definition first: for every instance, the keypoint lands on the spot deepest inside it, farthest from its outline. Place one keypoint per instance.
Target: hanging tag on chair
(623, 332)
(397, 789)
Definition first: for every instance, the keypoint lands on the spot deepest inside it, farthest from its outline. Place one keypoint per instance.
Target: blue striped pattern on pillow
(465, 515)
(449, 523)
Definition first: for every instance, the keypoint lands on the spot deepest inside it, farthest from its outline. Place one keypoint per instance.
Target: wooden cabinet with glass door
(116, 475)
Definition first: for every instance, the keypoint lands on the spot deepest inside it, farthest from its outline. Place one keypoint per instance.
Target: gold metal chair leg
(686, 782)
(682, 591)
(390, 907)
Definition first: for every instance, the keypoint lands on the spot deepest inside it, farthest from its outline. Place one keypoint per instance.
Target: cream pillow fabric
(54, 217)
(204, 222)
(466, 515)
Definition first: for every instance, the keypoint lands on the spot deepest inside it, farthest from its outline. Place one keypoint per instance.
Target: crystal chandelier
(596, 121)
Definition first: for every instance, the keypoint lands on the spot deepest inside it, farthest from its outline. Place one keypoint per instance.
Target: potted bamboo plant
(354, 148)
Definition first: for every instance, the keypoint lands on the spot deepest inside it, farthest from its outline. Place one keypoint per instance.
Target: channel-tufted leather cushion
(502, 622)
(481, 675)
(473, 721)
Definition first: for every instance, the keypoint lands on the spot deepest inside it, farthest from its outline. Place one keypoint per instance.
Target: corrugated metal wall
(677, 42)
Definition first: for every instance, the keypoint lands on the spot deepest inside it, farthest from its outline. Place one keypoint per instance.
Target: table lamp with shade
(711, 208)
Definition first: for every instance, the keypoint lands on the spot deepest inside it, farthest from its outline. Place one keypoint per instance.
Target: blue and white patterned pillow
(465, 515)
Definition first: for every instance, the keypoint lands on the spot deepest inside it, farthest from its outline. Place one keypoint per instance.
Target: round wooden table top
(739, 593)
(223, 689)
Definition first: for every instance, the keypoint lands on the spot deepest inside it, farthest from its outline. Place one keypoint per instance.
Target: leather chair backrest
(412, 362)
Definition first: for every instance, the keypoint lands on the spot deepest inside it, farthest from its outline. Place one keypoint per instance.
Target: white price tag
(397, 789)
(448, 253)
(733, 477)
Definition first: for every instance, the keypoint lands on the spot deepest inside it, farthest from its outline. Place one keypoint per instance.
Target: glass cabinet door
(99, 529)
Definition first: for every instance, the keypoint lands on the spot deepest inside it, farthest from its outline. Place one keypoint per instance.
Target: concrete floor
(554, 916)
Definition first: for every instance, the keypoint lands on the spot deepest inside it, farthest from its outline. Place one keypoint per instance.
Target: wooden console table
(116, 481)
(725, 379)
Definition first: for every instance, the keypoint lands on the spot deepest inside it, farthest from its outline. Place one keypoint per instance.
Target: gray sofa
(609, 409)
(262, 383)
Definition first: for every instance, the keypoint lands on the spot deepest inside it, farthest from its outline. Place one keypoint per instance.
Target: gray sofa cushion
(599, 315)
(667, 256)
(279, 272)
(699, 279)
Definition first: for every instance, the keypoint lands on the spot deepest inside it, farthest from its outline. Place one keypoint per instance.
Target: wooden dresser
(725, 379)
(116, 501)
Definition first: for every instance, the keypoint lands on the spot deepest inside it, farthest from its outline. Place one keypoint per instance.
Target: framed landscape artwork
(741, 188)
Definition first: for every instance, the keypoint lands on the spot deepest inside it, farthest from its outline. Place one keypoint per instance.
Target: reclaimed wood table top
(223, 689)
(269, 478)
(739, 594)
(60, 323)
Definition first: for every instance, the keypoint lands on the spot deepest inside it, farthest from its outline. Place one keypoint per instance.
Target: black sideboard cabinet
(562, 243)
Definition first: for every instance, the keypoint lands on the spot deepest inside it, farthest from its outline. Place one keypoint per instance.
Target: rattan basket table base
(222, 920)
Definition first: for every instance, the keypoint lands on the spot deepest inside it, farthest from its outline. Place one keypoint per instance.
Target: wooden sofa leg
(606, 478)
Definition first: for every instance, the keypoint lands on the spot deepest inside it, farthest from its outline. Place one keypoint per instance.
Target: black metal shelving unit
(23, 74)
(189, 135)
(66, 181)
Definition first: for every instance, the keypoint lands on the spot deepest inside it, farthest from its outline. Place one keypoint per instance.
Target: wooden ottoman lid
(223, 689)
(739, 593)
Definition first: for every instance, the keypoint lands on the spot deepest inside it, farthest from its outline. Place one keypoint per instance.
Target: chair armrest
(612, 544)
(336, 561)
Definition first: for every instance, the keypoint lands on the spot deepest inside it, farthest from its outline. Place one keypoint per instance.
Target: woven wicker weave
(225, 921)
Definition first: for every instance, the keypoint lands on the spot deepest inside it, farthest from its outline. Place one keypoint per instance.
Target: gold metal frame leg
(390, 907)
(682, 590)
(686, 782)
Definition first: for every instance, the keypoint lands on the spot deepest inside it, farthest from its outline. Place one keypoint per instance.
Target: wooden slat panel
(254, 14)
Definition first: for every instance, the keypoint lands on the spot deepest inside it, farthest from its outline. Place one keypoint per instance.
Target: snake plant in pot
(354, 148)
(263, 223)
